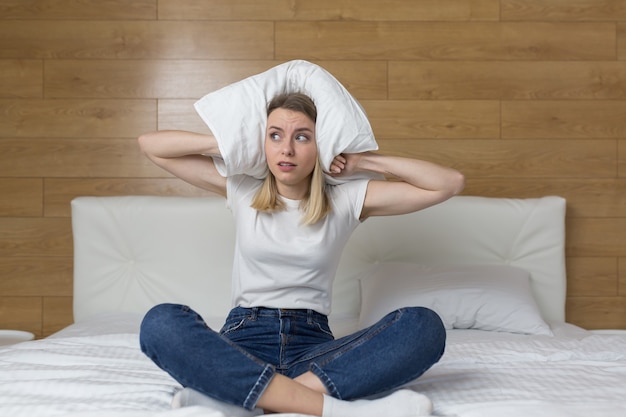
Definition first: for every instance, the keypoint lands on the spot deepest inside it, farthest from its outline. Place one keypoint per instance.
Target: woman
(275, 351)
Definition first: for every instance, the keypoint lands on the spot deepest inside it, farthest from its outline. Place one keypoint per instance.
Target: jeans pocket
(324, 328)
(232, 325)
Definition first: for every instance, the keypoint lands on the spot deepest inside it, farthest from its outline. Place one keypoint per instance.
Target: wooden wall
(526, 97)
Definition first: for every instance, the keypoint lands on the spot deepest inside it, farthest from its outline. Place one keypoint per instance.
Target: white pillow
(484, 297)
(237, 116)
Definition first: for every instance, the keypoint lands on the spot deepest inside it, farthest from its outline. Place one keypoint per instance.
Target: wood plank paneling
(586, 197)
(423, 10)
(77, 9)
(622, 277)
(596, 237)
(365, 80)
(35, 237)
(512, 159)
(21, 313)
(597, 312)
(445, 41)
(74, 158)
(621, 158)
(57, 313)
(145, 78)
(563, 10)
(592, 277)
(36, 276)
(434, 119)
(136, 39)
(621, 41)
(527, 98)
(76, 118)
(21, 197)
(21, 78)
(498, 80)
(563, 119)
(187, 79)
(60, 192)
(180, 115)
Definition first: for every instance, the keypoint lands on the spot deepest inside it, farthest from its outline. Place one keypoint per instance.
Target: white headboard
(133, 252)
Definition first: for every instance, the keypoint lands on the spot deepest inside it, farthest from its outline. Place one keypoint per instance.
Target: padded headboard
(133, 252)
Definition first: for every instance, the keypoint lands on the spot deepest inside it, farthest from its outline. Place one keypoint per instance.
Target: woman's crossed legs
(287, 361)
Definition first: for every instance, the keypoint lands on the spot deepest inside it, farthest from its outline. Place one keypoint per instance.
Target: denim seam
(331, 388)
(355, 342)
(259, 387)
(282, 340)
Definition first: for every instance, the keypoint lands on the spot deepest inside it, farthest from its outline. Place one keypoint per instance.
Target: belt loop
(255, 313)
(309, 316)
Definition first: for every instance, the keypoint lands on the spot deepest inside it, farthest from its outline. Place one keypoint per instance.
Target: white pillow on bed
(237, 116)
(483, 297)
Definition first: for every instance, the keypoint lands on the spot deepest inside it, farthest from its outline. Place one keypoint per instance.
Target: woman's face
(291, 151)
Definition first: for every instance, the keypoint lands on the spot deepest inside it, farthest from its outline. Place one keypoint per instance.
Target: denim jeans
(236, 364)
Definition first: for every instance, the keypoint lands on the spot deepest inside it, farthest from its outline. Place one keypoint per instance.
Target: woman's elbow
(457, 183)
(142, 140)
(146, 144)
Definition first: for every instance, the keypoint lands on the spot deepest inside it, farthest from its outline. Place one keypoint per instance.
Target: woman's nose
(287, 148)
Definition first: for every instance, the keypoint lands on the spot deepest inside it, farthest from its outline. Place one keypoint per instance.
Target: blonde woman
(275, 351)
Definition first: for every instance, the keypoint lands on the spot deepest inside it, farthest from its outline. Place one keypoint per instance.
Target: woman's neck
(293, 193)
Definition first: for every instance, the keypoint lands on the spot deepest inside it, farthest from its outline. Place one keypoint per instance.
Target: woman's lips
(286, 166)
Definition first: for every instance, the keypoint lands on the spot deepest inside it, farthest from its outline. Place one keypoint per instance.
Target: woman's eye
(302, 138)
(274, 136)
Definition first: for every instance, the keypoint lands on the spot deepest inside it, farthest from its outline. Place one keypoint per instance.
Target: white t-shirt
(281, 263)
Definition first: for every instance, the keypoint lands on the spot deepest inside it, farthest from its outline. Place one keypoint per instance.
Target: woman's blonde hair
(316, 205)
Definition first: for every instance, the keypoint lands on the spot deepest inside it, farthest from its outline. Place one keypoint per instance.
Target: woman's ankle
(285, 395)
(310, 380)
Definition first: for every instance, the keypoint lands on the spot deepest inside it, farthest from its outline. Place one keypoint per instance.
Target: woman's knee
(159, 315)
(158, 322)
(424, 327)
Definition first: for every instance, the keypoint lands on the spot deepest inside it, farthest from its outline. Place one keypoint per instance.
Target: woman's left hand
(338, 165)
(345, 164)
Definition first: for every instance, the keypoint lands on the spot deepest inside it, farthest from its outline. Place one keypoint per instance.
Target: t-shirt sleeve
(350, 196)
(240, 189)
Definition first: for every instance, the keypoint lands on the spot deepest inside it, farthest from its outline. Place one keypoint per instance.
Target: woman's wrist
(372, 162)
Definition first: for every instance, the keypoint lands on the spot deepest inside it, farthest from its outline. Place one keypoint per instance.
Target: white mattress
(97, 369)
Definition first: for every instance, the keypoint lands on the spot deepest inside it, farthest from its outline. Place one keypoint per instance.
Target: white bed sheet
(574, 373)
(79, 373)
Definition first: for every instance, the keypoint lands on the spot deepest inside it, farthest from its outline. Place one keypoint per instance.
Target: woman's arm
(186, 155)
(419, 184)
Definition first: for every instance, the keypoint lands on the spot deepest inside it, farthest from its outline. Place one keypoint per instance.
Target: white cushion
(237, 116)
(526, 233)
(131, 253)
(483, 297)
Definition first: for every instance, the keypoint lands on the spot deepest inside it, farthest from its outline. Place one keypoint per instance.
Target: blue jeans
(236, 364)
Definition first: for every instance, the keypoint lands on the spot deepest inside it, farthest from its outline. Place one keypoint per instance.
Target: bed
(493, 268)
